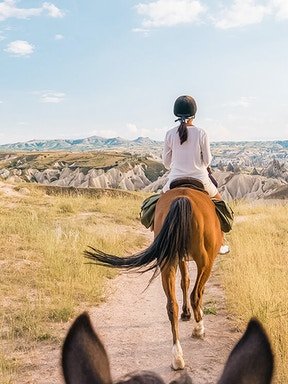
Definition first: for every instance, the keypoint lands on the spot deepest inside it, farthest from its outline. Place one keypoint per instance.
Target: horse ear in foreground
(85, 361)
(186, 227)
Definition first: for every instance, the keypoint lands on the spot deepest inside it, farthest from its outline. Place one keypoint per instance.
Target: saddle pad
(188, 182)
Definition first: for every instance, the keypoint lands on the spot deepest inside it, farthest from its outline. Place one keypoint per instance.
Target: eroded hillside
(134, 172)
(82, 170)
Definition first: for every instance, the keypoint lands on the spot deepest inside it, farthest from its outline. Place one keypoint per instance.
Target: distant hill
(283, 143)
(89, 143)
(236, 154)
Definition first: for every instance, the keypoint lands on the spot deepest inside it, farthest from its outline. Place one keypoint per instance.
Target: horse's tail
(174, 240)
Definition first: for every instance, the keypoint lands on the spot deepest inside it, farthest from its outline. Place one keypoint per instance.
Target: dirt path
(135, 329)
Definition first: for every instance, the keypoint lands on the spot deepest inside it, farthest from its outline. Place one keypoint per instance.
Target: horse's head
(85, 361)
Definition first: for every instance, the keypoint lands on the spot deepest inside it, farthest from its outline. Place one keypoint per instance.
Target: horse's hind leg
(185, 283)
(203, 273)
(168, 275)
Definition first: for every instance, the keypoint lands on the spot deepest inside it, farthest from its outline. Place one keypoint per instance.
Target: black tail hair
(174, 240)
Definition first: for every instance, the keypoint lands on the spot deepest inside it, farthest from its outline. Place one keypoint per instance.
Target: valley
(243, 170)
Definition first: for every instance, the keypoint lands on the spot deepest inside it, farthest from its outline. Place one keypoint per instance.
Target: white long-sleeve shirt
(190, 159)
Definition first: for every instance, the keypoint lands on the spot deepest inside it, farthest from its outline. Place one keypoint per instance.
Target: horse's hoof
(197, 335)
(185, 316)
(177, 357)
(199, 331)
(178, 364)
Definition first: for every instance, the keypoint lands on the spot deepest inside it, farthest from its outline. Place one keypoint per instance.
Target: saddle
(223, 210)
(188, 182)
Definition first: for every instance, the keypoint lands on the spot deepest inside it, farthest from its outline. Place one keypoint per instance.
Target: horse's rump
(197, 220)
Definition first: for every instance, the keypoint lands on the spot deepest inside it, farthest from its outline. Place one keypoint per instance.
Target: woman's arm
(205, 149)
(167, 153)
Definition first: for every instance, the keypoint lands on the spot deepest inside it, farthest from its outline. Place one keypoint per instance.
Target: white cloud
(131, 128)
(145, 31)
(244, 102)
(144, 132)
(169, 12)
(52, 97)
(132, 131)
(19, 48)
(280, 7)
(53, 11)
(58, 37)
(234, 14)
(241, 13)
(9, 9)
(216, 129)
(104, 133)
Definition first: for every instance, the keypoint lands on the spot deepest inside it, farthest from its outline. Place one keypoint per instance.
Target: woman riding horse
(186, 227)
(187, 151)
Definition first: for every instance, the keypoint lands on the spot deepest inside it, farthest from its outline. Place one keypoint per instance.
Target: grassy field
(255, 273)
(44, 280)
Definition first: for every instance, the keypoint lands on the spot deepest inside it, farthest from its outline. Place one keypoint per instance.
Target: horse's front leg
(185, 283)
(168, 275)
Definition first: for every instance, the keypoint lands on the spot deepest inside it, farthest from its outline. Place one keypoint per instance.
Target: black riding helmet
(185, 106)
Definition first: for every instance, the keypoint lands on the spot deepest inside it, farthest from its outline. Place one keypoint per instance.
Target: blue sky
(73, 69)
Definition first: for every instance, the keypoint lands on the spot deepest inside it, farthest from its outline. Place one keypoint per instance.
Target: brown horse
(85, 361)
(186, 227)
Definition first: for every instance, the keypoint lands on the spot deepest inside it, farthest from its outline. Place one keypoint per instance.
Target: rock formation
(135, 173)
(237, 186)
(276, 170)
(133, 179)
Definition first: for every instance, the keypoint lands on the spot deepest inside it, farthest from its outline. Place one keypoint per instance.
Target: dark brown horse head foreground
(85, 361)
(186, 227)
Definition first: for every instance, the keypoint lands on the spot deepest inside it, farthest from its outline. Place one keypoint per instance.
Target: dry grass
(44, 160)
(44, 278)
(256, 273)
